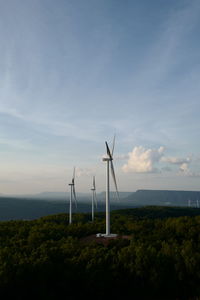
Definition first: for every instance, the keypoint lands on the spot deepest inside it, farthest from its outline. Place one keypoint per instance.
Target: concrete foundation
(111, 235)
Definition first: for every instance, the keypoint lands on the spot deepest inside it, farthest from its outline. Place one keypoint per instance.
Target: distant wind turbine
(110, 166)
(94, 197)
(72, 196)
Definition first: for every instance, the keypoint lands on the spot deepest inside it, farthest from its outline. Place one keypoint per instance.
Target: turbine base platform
(104, 235)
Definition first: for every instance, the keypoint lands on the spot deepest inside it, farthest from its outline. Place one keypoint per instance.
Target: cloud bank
(142, 160)
(182, 163)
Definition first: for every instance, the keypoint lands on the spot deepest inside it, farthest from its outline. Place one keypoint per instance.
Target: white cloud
(143, 160)
(176, 160)
(182, 163)
(184, 168)
(185, 171)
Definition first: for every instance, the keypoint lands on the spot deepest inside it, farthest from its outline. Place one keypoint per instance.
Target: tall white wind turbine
(72, 196)
(109, 166)
(94, 197)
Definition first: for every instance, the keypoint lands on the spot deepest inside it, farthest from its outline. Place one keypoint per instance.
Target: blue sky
(74, 73)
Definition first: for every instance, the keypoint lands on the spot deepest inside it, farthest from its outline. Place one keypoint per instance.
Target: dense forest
(156, 256)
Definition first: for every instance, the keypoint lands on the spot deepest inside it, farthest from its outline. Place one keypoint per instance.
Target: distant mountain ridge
(34, 206)
(65, 195)
(46, 195)
(122, 195)
(140, 197)
(12, 208)
(164, 197)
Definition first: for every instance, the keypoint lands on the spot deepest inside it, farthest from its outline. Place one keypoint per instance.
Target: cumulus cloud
(185, 171)
(176, 160)
(143, 160)
(182, 163)
(184, 168)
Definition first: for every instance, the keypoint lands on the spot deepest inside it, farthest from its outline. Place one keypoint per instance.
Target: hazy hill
(65, 195)
(113, 196)
(12, 208)
(26, 208)
(163, 197)
(47, 195)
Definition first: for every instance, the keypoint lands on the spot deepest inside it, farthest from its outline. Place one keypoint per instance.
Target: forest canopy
(158, 259)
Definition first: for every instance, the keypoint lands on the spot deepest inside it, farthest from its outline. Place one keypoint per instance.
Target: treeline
(47, 258)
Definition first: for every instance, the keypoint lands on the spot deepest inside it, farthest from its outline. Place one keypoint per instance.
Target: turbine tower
(94, 197)
(72, 196)
(109, 166)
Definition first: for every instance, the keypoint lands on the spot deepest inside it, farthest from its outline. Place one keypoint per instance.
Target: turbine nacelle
(107, 159)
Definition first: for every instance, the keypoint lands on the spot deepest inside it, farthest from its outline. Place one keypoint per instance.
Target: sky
(74, 73)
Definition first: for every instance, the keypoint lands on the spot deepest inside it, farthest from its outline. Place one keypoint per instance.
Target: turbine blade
(108, 151)
(74, 193)
(73, 174)
(113, 146)
(94, 185)
(114, 178)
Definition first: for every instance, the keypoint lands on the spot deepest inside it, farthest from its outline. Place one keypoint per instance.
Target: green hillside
(156, 256)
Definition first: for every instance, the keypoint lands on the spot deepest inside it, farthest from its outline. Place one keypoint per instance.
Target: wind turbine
(109, 166)
(94, 197)
(72, 196)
